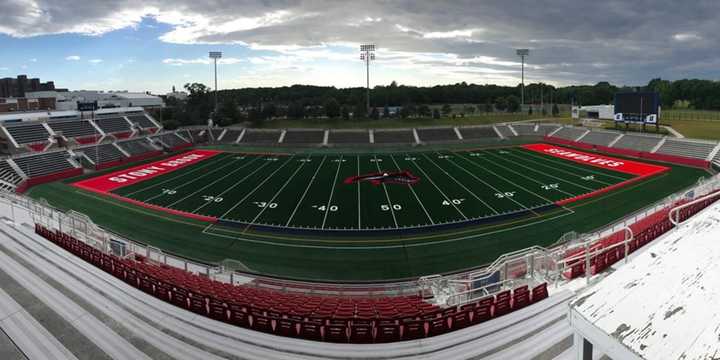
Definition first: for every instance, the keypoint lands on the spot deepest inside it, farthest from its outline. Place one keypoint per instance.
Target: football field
(371, 192)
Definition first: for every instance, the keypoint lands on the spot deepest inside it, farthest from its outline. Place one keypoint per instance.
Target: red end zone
(106, 183)
(641, 170)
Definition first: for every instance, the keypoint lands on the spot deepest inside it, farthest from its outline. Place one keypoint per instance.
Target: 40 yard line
(438, 189)
(332, 191)
(306, 191)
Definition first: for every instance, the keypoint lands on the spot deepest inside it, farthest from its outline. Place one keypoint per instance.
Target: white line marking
(414, 193)
(564, 163)
(275, 196)
(545, 174)
(390, 204)
(438, 189)
(357, 158)
(574, 174)
(175, 177)
(302, 198)
(461, 185)
(522, 175)
(332, 191)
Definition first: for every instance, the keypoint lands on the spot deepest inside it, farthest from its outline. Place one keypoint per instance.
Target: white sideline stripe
(438, 189)
(276, 195)
(216, 181)
(27, 333)
(475, 163)
(257, 345)
(491, 186)
(179, 175)
(358, 189)
(523, 176)
(171, 346)
(253, 190)
(194, 179)
(387, 196)
(302, 198)
(513, 154)
(414, 193)
(547, 174)
(564, 163)
(106, 339)
(332, 191)
(461, 184)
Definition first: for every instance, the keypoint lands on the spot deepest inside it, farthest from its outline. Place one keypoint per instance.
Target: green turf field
(296, 186)
(308, 191)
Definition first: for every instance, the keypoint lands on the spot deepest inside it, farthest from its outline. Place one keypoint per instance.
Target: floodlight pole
(215, 55)
(522, 53)
(367, 53)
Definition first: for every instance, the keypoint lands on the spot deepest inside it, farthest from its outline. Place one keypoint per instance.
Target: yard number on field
(507, 194)
(169, 191)
(263, 204)
(550, 186)
(453, 202)
(589, 177)
(386, 207)
(210, 198)
(332, 208)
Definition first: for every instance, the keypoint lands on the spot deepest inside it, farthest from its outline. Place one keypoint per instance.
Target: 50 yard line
(414, 193)
(387, 196)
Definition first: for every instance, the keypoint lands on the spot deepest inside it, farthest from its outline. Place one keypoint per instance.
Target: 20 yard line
(390, 204)
(413, 191)
(332, 191)
(461, 185)
(438, 189)
(276, 195)
(312, 181)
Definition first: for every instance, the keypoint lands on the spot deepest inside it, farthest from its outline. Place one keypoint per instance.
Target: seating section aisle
(348, 137)
(394, 137)
(28, 133)
(231, 135)
(304, 137)
(691, 149)
(480, 132)
(436, 134)
(570, 133)
(44, 164)
(311, 317)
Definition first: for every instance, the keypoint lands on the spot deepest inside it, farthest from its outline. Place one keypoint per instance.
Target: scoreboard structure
(637, 107)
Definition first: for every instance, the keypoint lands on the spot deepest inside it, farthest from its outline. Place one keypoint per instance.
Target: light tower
(522, 53)
(367, 54)
(215, 55)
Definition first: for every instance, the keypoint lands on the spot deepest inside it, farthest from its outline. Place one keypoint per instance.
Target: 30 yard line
(550, 175)
(215, 182)
(172, 178)
(461, 185)
(564, 163)
(390, 204)
(332, 191)
(255, 189)
(276, 195)
(438, 189)
(540, 163)
(413, 191)
(306, 191)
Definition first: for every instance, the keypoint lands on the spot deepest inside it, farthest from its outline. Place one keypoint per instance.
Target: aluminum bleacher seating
(44, 164)
(141, 120)
(400, 136)
(113, 124)
(437, 134)
(198, 136)
(525, 129)
(348, 137)
(602, 138)
(570, 133)
(28, 133)
(102, 154)
(231, 135)
(137, 147)
(505, 130)
(546, 129)
(74, 128)
(637, 142)
(311, 317)
(254, 136)
(8, 175)
(171, 140)
(478, 132)
(304, 137)
(686, 148)
(215, 133)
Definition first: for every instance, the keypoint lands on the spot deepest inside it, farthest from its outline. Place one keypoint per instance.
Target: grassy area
(478, 119)
(332, 257)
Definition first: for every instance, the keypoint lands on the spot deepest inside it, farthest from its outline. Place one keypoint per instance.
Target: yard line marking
(471, 161)
(564, 163)
(214, 182)
(232, 186)
(438, 189)
(461, 185)
(194, 180)
(332, 191)
(494, 188)
(180, 174)
(387, 196)
(546, 174)
(358, 191)
(540, 163)
(306, 191)
(414, 193)
(275, 196)
(253, 190)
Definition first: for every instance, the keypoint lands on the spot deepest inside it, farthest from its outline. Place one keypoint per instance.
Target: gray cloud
(625, 42)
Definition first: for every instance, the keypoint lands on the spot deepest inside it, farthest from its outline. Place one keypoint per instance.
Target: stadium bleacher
(113, 124)
(300, 136)
(525, 129)
(102, 154)
(348, 137)
(198, 136)
(479, 132)
(602, 138)
(28, 133)
(546, 129)
(569, 133)
(137, 147)
(171, 140)
(44, 164)
(141, 120)
(436, 134)
(254, 136)
(504, 130)
(686, 148)
(74, 128)
(215, 133)
(388, 136)
(231, 135)
(299, 315)
(637, 142)
(9, 175)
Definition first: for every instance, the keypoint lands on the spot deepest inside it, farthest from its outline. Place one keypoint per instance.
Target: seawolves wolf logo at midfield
(403, 177)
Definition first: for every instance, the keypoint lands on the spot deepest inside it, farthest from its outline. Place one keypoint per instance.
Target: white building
(67, 100)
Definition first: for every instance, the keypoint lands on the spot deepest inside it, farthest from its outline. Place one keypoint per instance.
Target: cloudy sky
(155, 44)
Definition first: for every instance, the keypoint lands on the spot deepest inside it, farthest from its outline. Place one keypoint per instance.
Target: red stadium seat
(461, 319)
(387, 333)
(336, 333)
(361, 334)
(413, 330)
(311, 331)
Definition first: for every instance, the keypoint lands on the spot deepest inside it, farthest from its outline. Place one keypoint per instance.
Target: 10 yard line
(305, 193)
(332, 191)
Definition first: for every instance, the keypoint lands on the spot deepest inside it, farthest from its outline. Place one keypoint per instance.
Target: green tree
(489, 107)
(513, 103)
(555, 110)
(530, 111)
(332, 108)
(446, 109)
(296, 110)
(436, 114)
(374, 113)
(345, 113)
(386, 111)
(424, 111)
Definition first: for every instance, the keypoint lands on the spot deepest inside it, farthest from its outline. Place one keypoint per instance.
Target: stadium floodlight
(215, 55)
(522, 53)
(367, 54)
